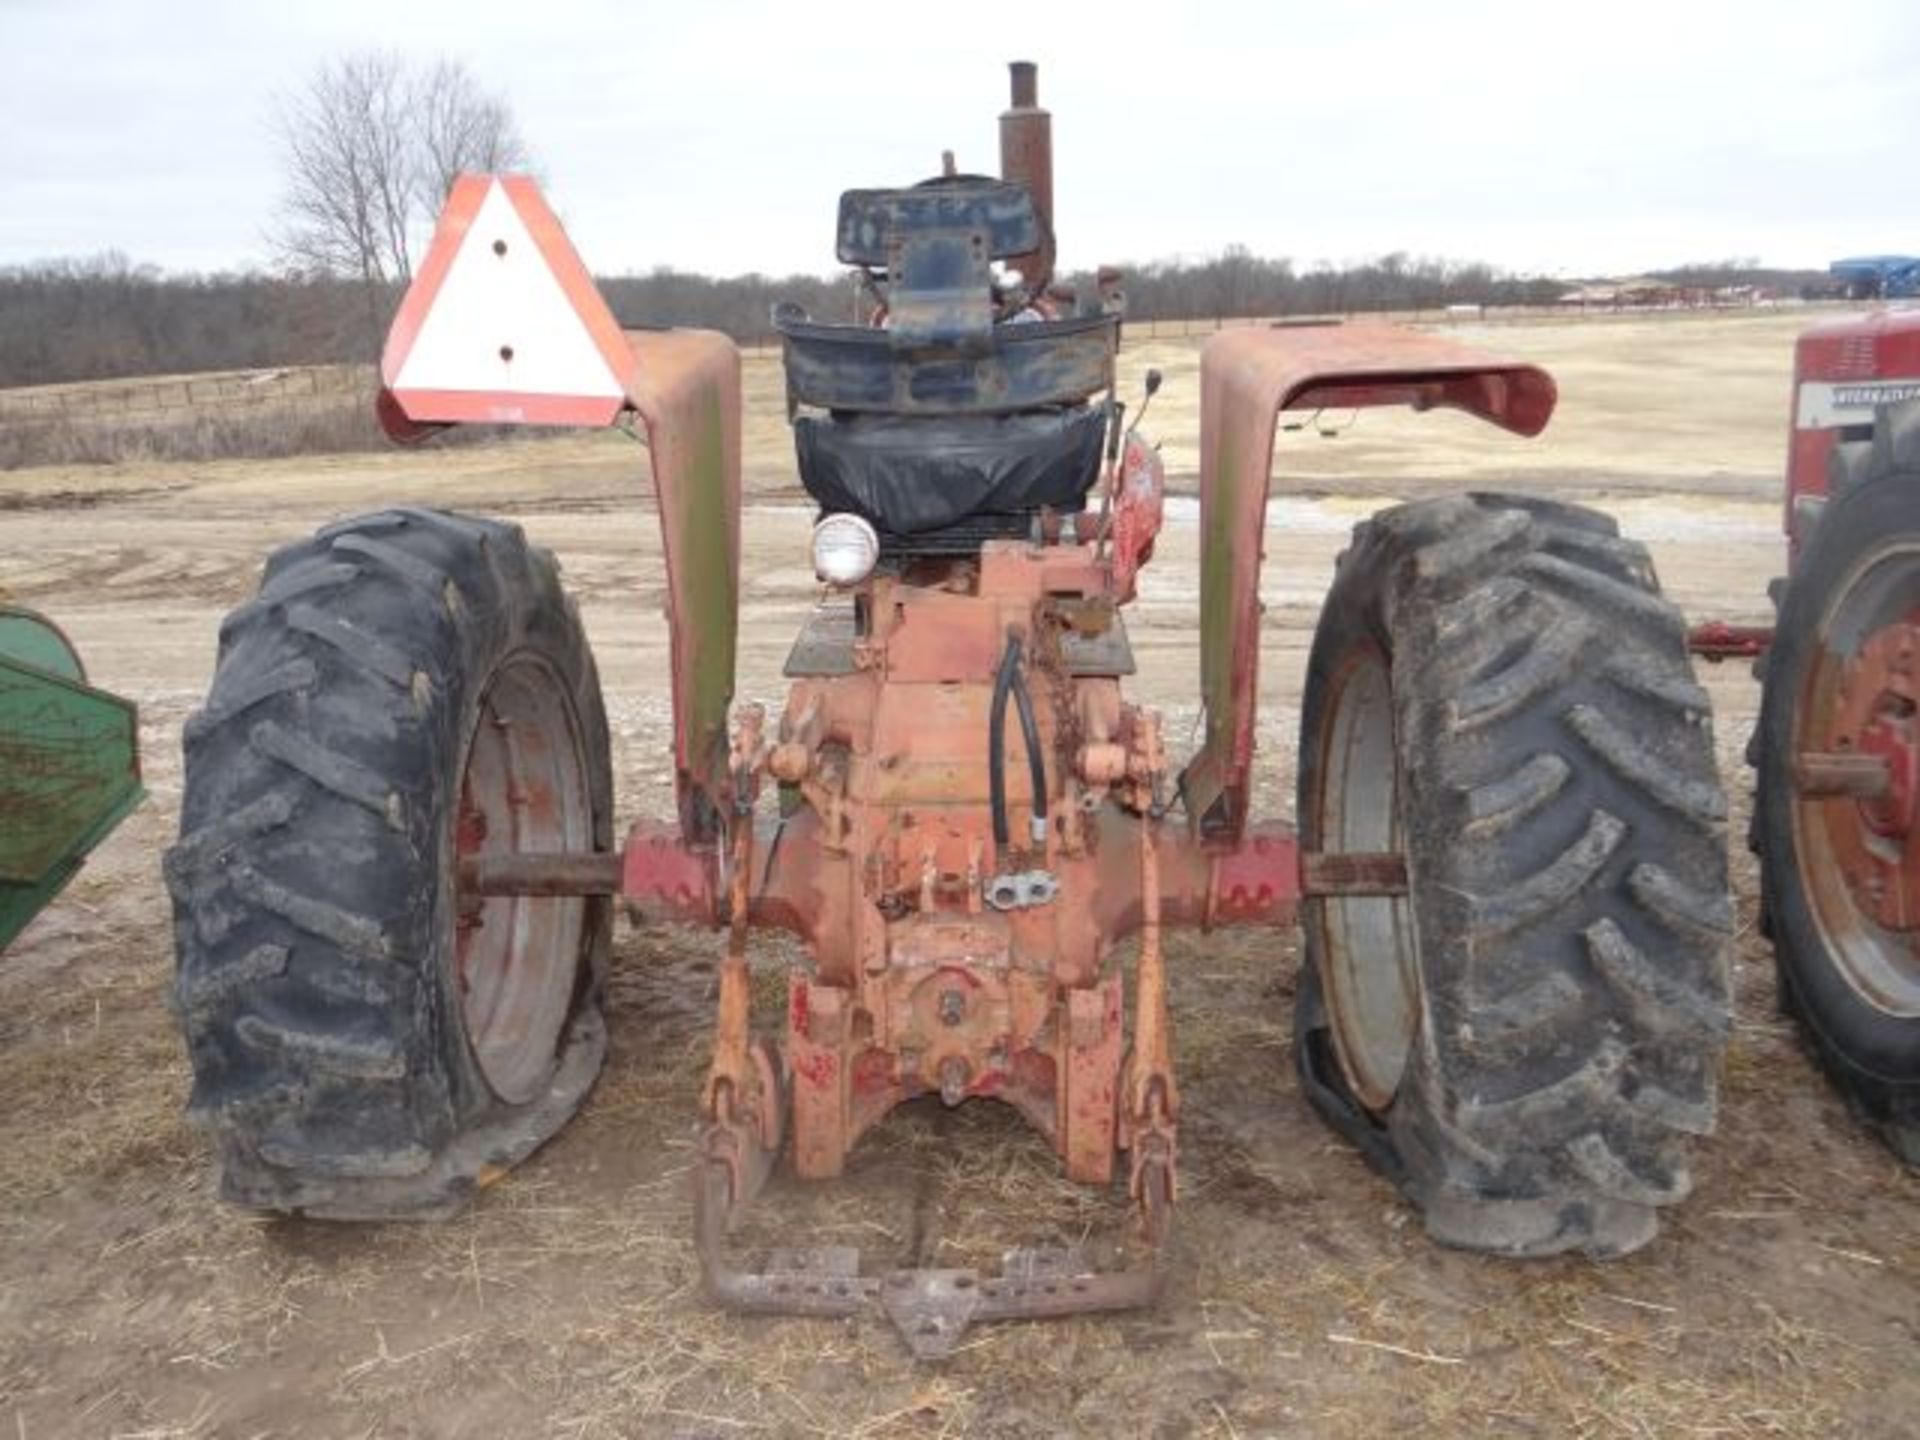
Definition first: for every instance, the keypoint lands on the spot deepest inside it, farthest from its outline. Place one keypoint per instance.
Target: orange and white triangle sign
(502, 324)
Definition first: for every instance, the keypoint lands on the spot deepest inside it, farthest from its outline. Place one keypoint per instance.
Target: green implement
(69, 765)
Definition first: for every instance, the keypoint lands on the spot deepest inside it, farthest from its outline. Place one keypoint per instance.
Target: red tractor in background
(1837, 749)
(397, 868)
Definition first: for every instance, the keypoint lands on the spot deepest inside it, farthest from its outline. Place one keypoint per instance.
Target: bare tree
(371, 146)
(462, 128)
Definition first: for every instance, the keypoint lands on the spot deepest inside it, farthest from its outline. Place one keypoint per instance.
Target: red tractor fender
(503, 325)
(1247, 377)
(1844, 370)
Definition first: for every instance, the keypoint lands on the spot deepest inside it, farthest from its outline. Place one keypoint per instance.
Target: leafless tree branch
(371, 146)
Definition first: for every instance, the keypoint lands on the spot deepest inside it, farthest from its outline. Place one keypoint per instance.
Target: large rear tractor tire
(1526, 1039)
(1840, 874)
(407, 689)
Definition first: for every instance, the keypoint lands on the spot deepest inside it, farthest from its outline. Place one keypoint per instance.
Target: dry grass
(327, 424)
(1305, 1297)
(87, 1099)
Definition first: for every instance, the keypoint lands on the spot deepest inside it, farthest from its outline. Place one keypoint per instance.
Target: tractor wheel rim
(1860, 859)
(1370, 974)
(523, 788)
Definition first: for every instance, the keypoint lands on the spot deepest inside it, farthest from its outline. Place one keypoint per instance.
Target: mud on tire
(338, 1062)
(1870, 524)
(1525, 1042)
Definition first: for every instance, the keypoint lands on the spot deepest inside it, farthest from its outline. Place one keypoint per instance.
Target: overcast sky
(714, 135)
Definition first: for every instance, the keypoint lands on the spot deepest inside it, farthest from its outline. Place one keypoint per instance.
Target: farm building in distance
(1647, 293)
(1639, 291)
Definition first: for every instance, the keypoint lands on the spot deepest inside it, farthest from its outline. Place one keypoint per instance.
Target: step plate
(824, 649)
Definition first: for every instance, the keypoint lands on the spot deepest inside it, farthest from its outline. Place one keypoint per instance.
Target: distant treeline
(105, 317)
(1239, 283)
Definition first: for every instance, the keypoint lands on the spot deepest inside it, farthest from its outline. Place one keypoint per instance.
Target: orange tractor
(398, 863)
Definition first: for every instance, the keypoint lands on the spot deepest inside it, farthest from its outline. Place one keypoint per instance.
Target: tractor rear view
(395, 880)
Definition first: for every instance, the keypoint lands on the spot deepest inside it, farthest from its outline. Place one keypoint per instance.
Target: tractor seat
(941, 351)
(916, 475)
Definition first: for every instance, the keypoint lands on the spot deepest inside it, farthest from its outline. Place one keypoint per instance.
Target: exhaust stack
(1026, 156)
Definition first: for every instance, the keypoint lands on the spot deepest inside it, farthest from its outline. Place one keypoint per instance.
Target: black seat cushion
(910, 474)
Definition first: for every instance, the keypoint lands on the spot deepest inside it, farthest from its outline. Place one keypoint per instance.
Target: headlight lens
(845, 548)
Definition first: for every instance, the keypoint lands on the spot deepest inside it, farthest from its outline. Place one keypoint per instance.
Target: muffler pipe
(1026, 157)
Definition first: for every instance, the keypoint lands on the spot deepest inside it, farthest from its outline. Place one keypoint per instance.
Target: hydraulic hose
(1009, 681)
(997, 741)
(1036, 763)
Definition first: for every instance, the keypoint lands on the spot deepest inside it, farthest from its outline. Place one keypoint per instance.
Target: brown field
(1782, 1299)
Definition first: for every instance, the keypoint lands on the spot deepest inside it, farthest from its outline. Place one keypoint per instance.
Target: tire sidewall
(546, 628)
(1855, 527)
(1354, 626)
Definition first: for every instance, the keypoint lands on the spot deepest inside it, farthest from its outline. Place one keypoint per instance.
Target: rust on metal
(1138, 488)
(1247, 378)
(924, 989)
(919, 985)
(1257, 882)
(932, 1308)
(532, 873)
(743, 1105)
(69, 765)
(686, 389)
(1718, 640)
(1823, 775)
(1324, 874)
(523, 812)
(664, 879)
(1151, 1099)
(1026, 157)
(1856, 775)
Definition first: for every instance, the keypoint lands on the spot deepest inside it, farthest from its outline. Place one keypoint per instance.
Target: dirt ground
(1783, 1298)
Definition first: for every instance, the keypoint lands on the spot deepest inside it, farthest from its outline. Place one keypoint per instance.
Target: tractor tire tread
(295, 677)
(1693, 797)
(1610, 597)
(328, 1070)
(1568, 879)
(1544, 666)
(365, 650)
(1655, 682)
(328, 768)
(1678, 904)
(1506, 800)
